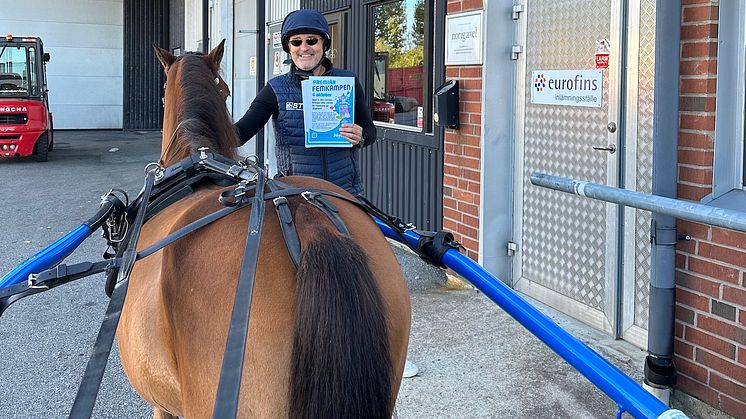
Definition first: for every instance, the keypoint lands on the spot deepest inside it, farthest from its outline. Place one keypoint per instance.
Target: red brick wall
(462, 151)
(711, 268)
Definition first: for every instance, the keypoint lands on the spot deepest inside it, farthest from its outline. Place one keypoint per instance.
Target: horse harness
(122, 223)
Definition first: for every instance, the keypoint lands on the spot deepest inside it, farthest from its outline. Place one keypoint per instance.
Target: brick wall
(462, 151)
(710, 325)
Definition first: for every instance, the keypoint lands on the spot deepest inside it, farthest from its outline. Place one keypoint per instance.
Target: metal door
(337, 28)
(585, 257)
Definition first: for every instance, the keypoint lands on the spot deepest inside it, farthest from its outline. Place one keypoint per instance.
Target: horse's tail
(341, 364)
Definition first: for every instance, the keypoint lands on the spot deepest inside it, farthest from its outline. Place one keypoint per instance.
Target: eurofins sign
(567, 88)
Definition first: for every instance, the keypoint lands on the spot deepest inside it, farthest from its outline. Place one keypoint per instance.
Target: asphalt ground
(475, 361)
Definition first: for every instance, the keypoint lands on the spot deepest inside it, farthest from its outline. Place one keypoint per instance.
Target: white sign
(252, 66)
(464, 38)
(276, 66)
(276, 40)
(567, 87)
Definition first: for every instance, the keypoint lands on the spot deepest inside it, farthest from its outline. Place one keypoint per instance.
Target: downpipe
(659, 370)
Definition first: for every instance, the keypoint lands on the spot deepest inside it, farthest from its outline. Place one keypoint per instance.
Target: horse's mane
(203, 119)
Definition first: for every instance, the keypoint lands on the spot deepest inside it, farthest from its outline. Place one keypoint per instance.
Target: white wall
(84, 38)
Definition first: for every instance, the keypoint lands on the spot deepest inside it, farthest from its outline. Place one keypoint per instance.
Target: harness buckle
(32, 283)
(235, 171)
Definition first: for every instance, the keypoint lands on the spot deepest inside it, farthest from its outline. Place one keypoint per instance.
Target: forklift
(25, 118)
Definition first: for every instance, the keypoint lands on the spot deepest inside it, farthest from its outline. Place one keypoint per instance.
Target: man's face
(306, 50)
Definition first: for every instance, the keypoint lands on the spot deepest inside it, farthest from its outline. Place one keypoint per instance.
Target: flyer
(328, 102)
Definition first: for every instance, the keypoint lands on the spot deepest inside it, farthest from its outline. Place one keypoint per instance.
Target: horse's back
(176, 316)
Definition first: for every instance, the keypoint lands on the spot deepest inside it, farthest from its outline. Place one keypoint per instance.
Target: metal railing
(720, 217)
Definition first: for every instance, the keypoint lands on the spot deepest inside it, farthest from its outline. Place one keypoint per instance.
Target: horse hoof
(410, 369)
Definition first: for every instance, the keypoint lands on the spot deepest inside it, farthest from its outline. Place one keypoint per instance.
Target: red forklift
(25, 119)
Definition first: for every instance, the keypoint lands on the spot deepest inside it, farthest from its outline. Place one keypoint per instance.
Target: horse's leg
(162, 414)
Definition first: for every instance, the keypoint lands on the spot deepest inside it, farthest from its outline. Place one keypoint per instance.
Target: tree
(391, 24)
(418, 26)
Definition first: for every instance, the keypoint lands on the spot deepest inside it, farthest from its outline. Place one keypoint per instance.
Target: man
(306, 37)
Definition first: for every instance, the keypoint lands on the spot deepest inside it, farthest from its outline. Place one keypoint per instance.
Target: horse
(326, 340)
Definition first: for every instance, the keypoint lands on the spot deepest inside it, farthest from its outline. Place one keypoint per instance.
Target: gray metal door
(585, 257)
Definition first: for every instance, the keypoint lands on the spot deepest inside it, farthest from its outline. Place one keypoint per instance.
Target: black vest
(340, 166)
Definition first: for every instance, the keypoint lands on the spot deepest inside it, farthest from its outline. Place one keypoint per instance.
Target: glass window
(728, 171)
(14, 71)
(32, 81)
(399, 58)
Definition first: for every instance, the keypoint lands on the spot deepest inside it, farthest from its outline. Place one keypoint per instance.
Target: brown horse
(326, 341)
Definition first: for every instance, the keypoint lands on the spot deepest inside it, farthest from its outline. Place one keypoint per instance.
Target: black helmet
(305, 21)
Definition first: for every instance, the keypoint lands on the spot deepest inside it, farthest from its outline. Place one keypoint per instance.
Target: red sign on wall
(602, 60)
(602, 53)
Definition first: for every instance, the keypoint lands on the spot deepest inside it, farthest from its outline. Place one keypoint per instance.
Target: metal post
(260, 55)
(205, 26)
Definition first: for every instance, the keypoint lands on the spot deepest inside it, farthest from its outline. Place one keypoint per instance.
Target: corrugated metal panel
(405, 180)
(176, 25)
(278, 9)
(145, 23)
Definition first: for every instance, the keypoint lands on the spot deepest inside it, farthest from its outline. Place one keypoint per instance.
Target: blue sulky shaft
(49, 256)
(627, 393)
(64, 246)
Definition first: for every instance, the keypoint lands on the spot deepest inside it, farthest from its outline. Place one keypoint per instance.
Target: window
(400, 80)
(729, 165)
(16, 66)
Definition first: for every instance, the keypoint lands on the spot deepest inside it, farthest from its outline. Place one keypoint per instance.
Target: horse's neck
(171, 134)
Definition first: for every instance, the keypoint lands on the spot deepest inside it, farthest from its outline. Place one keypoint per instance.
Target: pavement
(474, 360)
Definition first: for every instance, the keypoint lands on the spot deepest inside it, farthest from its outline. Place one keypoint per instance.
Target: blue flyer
(328, 102)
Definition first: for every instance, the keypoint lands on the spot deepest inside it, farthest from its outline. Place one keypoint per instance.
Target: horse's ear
(165, 57)
(216, 55)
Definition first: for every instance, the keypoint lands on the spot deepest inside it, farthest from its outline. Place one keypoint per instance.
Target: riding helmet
(305, 21)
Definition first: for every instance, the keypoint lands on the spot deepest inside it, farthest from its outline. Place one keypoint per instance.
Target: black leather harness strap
(94, 371)
(287, 225)
(318, 200)
(226, 402)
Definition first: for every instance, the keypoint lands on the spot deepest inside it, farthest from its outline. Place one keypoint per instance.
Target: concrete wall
(84, 38)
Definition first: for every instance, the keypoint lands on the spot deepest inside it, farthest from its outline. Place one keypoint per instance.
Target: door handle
(611, 148)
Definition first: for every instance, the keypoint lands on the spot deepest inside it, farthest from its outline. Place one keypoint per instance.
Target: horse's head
(195, 114)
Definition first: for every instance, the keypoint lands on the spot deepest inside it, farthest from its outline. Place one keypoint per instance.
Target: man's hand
(353, 133)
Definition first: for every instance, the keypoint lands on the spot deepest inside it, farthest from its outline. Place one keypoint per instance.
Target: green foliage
(390, 24)
(390, 27)
(418, 26)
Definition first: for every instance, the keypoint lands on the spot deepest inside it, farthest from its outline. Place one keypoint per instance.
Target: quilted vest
(340, 166)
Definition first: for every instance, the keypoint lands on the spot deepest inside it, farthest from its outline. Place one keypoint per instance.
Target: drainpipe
(205, 26)
(261, 42)
(660, 373)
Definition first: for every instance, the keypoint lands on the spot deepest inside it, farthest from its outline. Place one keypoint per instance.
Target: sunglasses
(309, 41)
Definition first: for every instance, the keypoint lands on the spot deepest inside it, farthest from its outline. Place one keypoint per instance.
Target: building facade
(643, 95)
